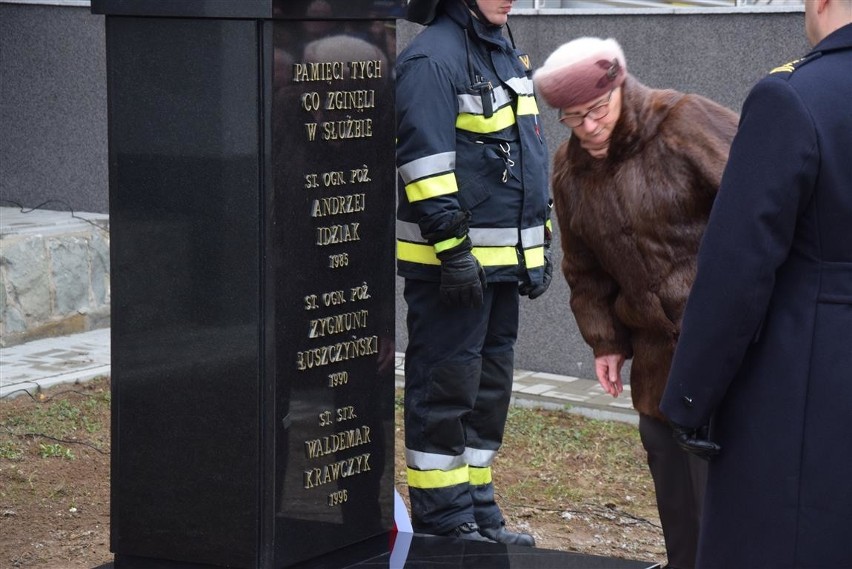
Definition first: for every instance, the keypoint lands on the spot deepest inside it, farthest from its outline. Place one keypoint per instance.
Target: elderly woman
(632, 190)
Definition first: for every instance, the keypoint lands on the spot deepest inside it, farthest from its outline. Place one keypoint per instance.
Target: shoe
(501, 535)
(468, 531)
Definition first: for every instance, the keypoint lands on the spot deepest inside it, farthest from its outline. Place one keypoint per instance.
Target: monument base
(414, 551)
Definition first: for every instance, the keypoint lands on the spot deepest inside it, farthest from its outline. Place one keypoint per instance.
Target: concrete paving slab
(52, 361)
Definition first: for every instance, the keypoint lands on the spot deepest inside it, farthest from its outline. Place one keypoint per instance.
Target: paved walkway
(48, 222)
(44, 363)
(81, 357)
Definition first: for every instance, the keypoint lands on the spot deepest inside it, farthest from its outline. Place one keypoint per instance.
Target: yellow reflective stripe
(487, 256)
(503, 118)
(416, 253)
(549, 224)
(437, 478)
(496, 256)
(480, 476)
(534, 257)
(431, 187)
(442, 246)
(527, 106)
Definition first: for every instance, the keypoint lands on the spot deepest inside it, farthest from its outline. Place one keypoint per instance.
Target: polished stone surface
(289, 9)
(252, 190)
(186, 266)
(407, 551)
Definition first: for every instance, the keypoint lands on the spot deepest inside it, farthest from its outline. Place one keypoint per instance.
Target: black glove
(535, 291)
(462, 277)
(694, 441)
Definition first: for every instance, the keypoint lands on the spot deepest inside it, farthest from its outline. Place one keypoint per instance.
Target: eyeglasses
(595, 113)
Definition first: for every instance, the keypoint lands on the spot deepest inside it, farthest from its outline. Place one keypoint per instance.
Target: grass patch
(55, 450)
(554, 460)
(570, 459)
(68, 417)
(10, 450)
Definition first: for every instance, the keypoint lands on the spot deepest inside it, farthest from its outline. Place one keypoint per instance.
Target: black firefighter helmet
(424, 11)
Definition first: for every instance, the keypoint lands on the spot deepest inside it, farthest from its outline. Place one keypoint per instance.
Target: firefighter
(472, 237)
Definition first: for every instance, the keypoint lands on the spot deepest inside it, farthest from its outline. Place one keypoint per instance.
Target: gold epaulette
(787, 67)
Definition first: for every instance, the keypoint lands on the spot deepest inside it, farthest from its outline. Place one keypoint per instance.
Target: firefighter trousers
(458, 382)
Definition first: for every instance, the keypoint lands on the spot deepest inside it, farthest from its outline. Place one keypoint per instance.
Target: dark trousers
(679, 481)
(458, 383)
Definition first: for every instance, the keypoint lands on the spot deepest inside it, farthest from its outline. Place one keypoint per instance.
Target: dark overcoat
(766, 347)
(630, 225)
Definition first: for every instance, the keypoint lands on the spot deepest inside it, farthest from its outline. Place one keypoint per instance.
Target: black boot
(469, 531)
(501, 535)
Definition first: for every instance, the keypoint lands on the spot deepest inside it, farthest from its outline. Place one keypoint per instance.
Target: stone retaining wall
(54, 274)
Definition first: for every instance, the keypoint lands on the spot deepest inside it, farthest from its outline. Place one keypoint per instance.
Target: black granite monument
(252, 192)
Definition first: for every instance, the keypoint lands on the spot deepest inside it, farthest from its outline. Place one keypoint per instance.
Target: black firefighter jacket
(469, 140)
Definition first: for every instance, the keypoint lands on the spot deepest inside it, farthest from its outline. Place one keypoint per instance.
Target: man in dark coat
(765, 354)
(632, 190)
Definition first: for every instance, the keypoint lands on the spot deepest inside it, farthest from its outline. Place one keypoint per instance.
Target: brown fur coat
(631, 223)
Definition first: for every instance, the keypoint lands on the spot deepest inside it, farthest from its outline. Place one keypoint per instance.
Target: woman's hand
(608, 370)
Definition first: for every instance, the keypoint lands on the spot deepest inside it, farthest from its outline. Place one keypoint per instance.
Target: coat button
(687, 401)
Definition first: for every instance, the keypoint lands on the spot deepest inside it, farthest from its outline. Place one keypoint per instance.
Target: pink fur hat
(580, 71)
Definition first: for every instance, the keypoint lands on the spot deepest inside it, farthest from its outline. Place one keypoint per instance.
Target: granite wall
(54, 274)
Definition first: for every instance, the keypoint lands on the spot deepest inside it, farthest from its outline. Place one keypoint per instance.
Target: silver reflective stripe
(407, 231)
(470, 104)
(496, 237)
(428, 166)
(521, 85)
(479, 236)
(478, 457)
(473, 103)
(431, 461)
(501, 97)
(532, 236)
